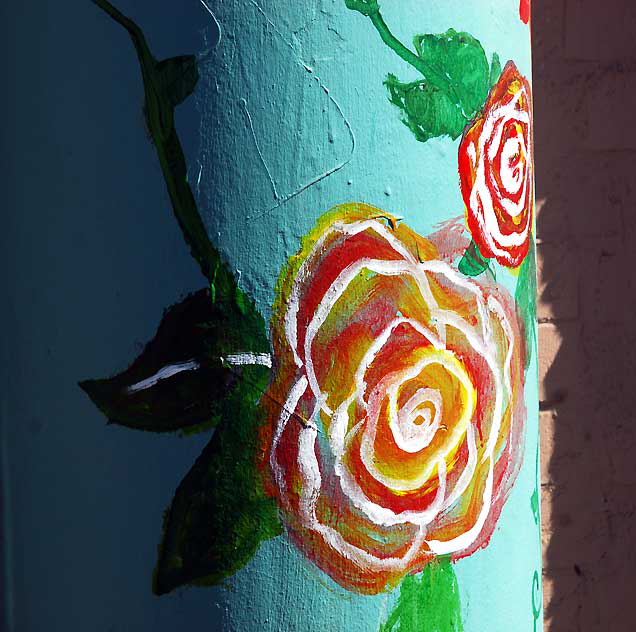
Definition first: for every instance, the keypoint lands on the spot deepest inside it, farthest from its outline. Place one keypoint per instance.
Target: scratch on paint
(199, 178)
(234, 361)
(276, 30)
(258, 149)
(203, 57)
(325, 89)
(207, 6)
(324, 175)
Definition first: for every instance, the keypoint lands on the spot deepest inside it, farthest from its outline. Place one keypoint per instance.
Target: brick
(550, 341)
(610, 104)
(558, 281)
(561, 121)
(600, 31)
(587, 197)
(547, 32)
(547, 432)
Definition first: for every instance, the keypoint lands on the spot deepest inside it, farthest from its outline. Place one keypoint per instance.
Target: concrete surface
(585, 97)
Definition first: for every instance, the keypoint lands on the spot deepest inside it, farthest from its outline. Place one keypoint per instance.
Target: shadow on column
(585, 139)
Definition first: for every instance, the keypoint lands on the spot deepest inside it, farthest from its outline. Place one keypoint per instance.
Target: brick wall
(585, 105)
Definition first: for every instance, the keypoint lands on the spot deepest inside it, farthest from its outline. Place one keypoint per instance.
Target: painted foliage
(378, 423)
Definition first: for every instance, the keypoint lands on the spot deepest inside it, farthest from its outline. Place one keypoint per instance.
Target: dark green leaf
(495, 70)
(428, 603)
(455, 85)
(526, 300)
(460, 59)
(220, 513)
(427, 111)
(179, 76)
(179, 381)
(473, 262)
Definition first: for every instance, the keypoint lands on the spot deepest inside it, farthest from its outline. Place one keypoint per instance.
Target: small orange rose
(496, 174)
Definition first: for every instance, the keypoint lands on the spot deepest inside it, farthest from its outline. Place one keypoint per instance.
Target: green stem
(159, 112)
(394, 43)
(437, 78)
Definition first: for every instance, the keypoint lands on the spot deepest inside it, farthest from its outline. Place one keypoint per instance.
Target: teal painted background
(93, 255)
(310, 76)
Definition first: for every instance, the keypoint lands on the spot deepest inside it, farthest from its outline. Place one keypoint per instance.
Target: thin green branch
(371, 9)
(159, 112)
(134, 31)
(395, 44)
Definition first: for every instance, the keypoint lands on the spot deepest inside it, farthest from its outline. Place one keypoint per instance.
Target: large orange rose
(396, 408)
(495, 169)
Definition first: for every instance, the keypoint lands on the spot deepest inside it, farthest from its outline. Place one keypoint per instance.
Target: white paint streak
(289, 408)
(410, 436)
(467, 538)
(241, 359)
(163, 374)
(480, 198)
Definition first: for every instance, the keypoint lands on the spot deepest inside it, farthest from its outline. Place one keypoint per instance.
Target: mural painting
(378, 423)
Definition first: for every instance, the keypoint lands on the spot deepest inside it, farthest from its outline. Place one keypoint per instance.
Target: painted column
(362, 352)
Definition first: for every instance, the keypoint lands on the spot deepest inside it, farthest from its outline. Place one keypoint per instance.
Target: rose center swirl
(418, 417)
(513, 168)
(512, 165)
(415, 424)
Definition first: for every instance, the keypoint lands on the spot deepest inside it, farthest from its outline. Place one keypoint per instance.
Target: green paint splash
(495, 70)
(426, 110)
(428, 603)
(535, 505)
(473, 263)
(537, 599)
(526, 300)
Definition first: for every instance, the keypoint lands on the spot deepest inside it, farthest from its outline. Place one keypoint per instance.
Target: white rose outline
(313, 431)
(496, 170)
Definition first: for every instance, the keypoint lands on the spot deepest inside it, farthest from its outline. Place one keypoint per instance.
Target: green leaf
(428, 603)
(473, 262)
(427, 111)
(179, 76)
(220, 513)
(495, 70)
(461, 60)
(455, 85)
(180, 381)
(526, 301)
